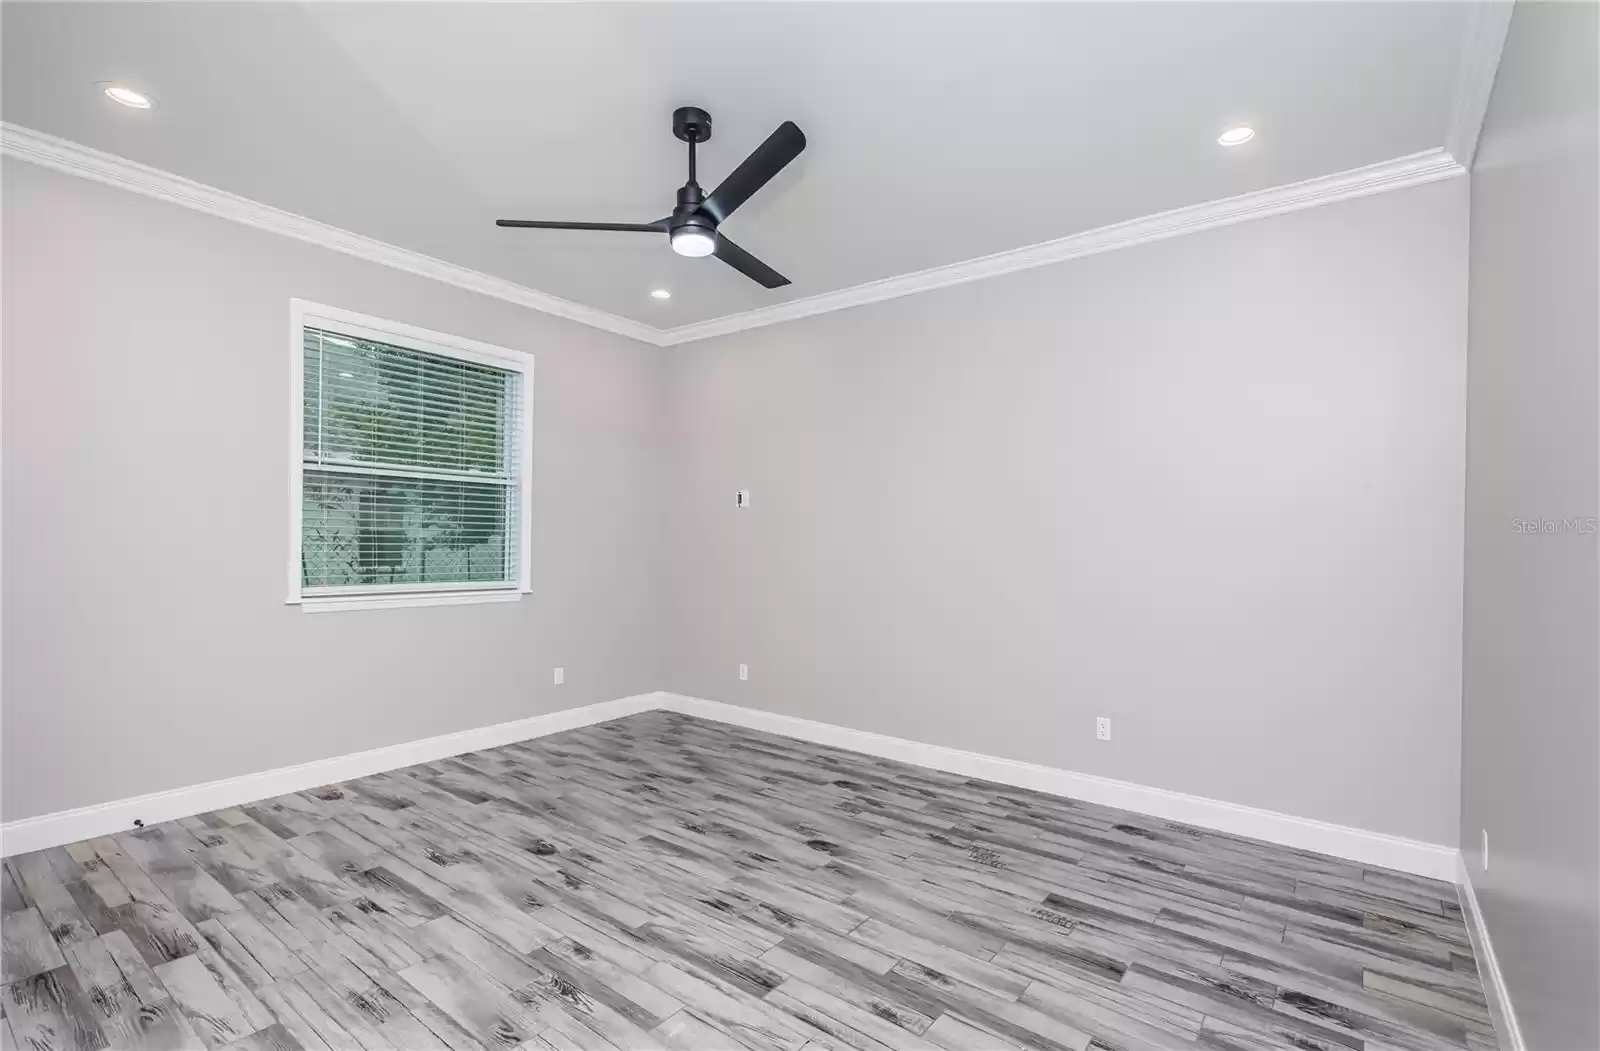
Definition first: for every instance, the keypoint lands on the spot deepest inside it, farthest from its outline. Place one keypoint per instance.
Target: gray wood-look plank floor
(666, 882)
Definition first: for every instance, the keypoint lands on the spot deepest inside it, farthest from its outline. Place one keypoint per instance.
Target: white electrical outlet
(561, 676)
(741, 498)
(1102, 729)
(744, 672)
(1486, 850)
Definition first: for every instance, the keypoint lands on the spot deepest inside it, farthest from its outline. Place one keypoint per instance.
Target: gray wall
(1531, 724)
(146, 641)
(1210, 487)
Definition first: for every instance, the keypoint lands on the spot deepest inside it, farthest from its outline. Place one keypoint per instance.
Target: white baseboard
(1352, 844)
(1494, 983)
(103, 819)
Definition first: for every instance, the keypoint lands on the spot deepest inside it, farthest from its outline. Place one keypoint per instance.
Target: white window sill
(340, 603)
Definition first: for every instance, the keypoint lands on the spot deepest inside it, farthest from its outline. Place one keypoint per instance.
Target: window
(410, 468)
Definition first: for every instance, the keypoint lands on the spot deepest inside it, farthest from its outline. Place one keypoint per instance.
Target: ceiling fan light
(693, 241)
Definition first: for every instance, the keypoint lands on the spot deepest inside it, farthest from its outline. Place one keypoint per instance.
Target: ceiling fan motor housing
(688, 212)
(693, 232)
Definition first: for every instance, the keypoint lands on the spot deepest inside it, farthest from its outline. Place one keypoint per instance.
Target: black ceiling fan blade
(659, 226)
(748, 265)
(755, 171)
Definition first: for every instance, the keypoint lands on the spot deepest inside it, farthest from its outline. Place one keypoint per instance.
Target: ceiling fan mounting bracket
(691, 124)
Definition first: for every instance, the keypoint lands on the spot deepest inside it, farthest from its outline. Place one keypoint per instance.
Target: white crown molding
(104, 819)
(74, 159)
(1353, 844)
(1397, 174)
(1501, 1012)
(1480, 60)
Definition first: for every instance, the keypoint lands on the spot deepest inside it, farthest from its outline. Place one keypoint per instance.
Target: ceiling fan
(692, 226)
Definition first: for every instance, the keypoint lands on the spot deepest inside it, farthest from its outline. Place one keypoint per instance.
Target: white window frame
(363, 326)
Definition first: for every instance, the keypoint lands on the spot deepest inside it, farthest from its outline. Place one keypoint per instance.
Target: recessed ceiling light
(1237, 136)
(127, 96)
(660, 293)
(347, 375)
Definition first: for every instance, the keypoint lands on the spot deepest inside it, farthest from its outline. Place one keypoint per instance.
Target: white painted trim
(1501, 1012)
(302, 313)
(1352, 844)
(1402, 172)
(70, 826)
(297, 438)
(74, 159)
(1487, 23)
(412, 337)
(464, 597)
(85, 162)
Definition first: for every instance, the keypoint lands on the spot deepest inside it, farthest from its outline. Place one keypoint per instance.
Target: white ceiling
(937, 132)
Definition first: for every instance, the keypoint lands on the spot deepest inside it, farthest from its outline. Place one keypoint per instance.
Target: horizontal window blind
(410, 469)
